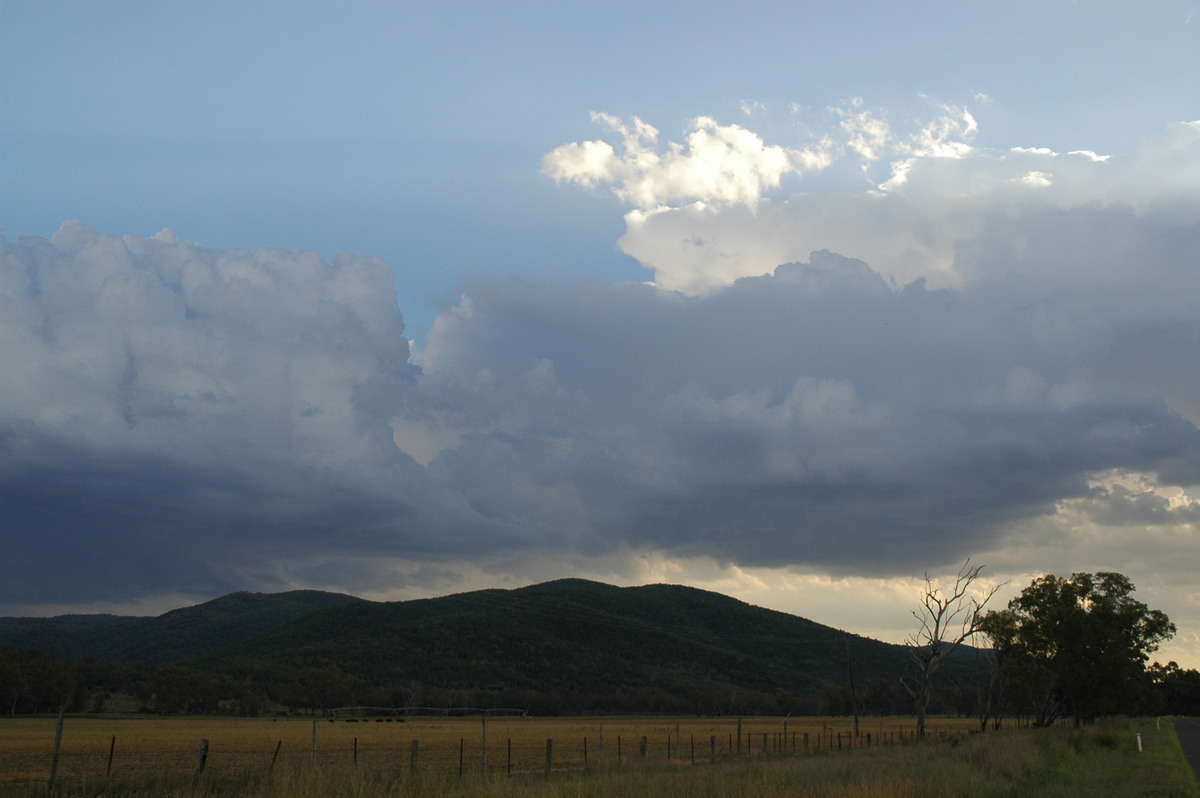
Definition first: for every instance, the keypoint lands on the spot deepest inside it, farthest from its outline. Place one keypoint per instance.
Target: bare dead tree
(947, 618)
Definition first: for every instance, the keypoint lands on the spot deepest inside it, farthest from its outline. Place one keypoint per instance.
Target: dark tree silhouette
(1079, 644)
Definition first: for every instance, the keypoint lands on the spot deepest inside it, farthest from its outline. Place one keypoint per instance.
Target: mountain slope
(181, 634)
(70, 636)
(587, 643)
(570, 644)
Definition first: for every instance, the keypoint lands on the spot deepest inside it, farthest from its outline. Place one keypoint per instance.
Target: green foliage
(184, 691)
(1172, 690)
(1077, 645)
(32, 682)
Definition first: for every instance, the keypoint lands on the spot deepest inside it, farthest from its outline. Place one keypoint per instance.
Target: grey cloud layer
(810, 416)
(181, 418)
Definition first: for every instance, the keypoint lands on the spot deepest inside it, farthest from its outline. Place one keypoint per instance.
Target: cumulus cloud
(697, 204)
(1039, 414)
(812, 415)
(174, 414)
(869, 135)
(1016, 325)
(715, 163)
(947, 220)
(698, 225)
(873, 383)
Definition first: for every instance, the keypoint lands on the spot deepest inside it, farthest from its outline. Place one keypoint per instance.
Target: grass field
(153, 756)
(142, 746)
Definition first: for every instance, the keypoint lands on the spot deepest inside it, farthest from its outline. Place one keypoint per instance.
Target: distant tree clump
(1172, 690)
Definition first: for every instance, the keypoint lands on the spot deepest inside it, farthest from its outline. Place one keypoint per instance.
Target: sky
(405, 299)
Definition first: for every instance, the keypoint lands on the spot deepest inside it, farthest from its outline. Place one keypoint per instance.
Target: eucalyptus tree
(1077, 645)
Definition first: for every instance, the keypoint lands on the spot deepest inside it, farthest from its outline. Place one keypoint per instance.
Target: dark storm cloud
(811, 416)
(181, 418)
(178, 418)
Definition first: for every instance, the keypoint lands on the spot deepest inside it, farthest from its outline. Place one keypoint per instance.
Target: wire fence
(133, 749)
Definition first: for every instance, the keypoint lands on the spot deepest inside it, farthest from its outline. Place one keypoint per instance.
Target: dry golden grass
(153, 746)
(157, 757)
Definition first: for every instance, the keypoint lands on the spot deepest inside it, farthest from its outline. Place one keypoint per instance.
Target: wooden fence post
(201, 762)
(678, 743)
(739, 737)
(485, 744)
(112, 747)
(642, 748)
(57, 748)
(314, 745)
(278, 745)
(549, 756)
(412, 756)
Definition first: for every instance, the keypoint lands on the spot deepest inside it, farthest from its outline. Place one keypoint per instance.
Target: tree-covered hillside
(574, 643)
(176, 635)
(569, 646)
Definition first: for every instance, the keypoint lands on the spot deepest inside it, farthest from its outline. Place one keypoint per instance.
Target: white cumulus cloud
(939, 218)
(714, 163)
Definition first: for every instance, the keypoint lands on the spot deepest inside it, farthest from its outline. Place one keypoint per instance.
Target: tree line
(32, 682)
(1065, 647)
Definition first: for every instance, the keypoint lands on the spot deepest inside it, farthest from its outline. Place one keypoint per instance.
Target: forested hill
(182, 634)
(571, 643)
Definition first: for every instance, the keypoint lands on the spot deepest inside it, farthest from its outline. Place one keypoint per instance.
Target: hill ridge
(564, 644)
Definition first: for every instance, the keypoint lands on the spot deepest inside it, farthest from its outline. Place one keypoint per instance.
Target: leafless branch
(945, 619)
